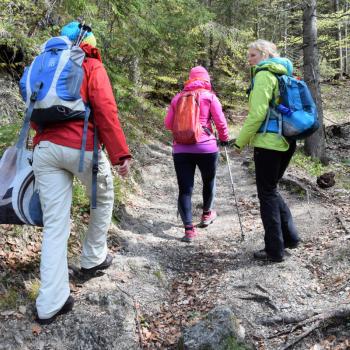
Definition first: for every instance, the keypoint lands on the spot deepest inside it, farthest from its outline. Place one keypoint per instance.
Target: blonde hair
(265, 47)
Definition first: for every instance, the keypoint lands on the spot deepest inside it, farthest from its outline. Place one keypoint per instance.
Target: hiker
(203, 153)
(55, 164)
(272, 152)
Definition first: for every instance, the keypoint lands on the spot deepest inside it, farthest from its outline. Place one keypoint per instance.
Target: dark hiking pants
(185, 167)
(280, 231)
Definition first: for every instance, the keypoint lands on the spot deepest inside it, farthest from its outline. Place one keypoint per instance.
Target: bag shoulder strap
(94, 155)
(20, 145)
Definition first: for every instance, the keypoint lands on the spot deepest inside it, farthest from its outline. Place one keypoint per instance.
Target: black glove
(223, 143)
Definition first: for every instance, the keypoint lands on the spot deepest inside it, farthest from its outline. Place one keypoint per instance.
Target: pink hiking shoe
(190, 233)
(208, 218)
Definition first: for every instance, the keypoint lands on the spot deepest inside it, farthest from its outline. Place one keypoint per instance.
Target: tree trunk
(285, 30)
(346, 70)
(257, 26)
(210, 43)
(339, 39)
(134, 73)
(315, 144)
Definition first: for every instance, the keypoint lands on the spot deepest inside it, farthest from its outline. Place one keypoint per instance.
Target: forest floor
(158, 285)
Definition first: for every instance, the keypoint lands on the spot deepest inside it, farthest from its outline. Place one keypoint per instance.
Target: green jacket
(265, 87)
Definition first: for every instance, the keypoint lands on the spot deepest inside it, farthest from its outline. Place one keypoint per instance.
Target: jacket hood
(278, 65)
(191, 85)
(91, 51)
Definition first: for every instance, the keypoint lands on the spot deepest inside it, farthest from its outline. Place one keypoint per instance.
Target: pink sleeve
(169, 119)
(219, 118)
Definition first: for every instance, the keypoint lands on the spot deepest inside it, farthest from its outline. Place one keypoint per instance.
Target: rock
(18, 339)
(22, 309)
(219, 330)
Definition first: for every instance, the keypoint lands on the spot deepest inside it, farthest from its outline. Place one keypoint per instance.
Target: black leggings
(185, 167)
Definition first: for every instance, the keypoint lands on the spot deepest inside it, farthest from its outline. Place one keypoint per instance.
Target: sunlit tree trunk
(315, 144)
(285, 29)
(134, 72)
(210, 43)
(346, 69)
(257, 25)
(339, 39)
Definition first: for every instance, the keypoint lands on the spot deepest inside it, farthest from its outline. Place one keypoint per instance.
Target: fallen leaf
(36, 330)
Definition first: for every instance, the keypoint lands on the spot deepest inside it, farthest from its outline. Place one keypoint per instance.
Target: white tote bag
(19, 200)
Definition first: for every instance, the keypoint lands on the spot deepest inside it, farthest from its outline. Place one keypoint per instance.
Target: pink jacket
(210, 110)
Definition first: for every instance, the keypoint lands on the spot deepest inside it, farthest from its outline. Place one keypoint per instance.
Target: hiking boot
(263, 256)
(190, 233)
(208, 217)
(293, 245)
(104, 265)
(68, 306)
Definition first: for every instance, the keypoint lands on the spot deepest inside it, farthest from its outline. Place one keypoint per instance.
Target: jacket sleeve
(219, 119)
(169, 118)
(259, 99)
(105, 113)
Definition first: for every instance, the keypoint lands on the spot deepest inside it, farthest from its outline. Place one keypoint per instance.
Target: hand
(123, 168)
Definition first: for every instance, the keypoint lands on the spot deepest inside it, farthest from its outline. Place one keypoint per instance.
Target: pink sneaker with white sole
(208, 218)
(190, 233)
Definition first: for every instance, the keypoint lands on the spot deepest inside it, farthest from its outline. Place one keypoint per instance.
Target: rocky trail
(158, 287)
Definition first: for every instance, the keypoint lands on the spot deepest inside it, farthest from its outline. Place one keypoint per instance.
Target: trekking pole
(234, 194)
(79, 35)
(84, 30)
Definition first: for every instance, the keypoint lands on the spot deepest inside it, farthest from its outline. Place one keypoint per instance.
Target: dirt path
(157, 284)
(219, 269)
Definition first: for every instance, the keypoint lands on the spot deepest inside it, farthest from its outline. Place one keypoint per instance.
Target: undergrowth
(311, 166)
(314, 167)
(8, 135)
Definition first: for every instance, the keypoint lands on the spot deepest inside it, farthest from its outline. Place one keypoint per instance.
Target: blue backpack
(54, 80)
(51, 87)
(295, 116)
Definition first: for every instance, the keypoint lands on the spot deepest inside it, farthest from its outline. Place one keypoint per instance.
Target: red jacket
(96, 89)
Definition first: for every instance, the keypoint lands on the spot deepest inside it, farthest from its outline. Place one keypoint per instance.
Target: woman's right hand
(123, 168)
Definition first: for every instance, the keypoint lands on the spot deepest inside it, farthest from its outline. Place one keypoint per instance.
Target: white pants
(54, 168)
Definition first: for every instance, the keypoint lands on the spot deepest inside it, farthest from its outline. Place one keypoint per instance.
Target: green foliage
(8, 135)
(159, 274)
(311, 166)
(343, 180)
(81, 203)
(119, 190)
(231, 343)
(326, 70)
(22, 27)
(228, 344)
(83, 9)
(9, 299)
(32, 288)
